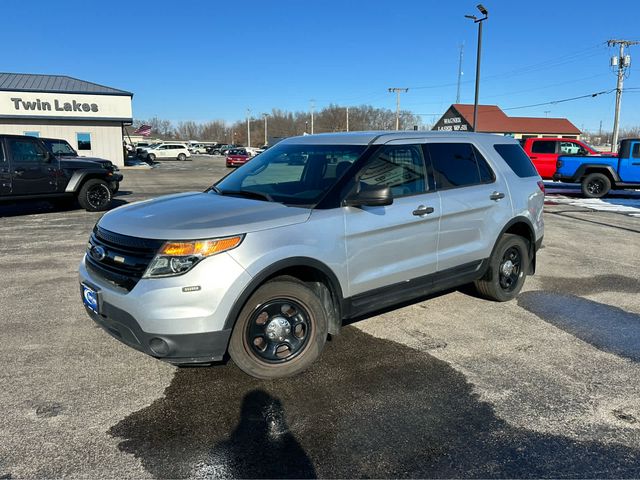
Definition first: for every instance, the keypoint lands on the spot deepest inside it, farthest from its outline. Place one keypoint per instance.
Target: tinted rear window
(517, 160)
(458, 165)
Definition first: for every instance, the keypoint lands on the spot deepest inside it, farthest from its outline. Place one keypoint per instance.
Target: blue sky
(204, 60)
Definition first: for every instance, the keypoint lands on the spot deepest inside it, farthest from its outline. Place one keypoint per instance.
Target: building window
(32, 134)
(84, 141)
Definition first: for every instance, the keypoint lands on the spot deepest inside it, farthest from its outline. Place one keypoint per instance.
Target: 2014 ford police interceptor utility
(272, 258)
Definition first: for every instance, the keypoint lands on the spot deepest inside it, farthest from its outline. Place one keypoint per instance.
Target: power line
(551, 63)
(554, 102)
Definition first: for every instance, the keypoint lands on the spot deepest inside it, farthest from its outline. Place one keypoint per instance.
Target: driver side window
(399, 167)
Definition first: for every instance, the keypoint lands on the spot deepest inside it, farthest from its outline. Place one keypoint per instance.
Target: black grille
(125, 258)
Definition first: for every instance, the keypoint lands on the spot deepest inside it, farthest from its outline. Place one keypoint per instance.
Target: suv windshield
(291, 174)
(60, 147)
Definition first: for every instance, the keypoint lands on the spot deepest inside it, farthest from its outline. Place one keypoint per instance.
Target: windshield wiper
(244, 193)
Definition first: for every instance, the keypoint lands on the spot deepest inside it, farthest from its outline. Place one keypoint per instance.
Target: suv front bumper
(185, 349)
(158, 318)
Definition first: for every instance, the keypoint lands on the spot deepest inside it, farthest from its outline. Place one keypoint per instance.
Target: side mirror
(369, 196)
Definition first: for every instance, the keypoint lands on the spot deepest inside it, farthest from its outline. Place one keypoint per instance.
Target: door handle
(496, 196)
(422, 210)
(533, 158)
(19, 172)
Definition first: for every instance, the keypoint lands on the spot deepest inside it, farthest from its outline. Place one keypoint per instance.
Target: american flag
(144, 130)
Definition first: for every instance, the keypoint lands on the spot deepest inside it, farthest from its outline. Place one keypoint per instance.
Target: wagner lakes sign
(452, 121)
(52, 105)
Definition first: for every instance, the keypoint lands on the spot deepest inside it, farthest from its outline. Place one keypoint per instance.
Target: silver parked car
(317, 229)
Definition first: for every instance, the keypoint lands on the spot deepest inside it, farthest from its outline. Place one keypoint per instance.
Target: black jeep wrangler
(29, 170)
(64, 151)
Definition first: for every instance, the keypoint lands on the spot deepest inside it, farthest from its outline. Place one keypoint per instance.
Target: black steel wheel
(280, 331)
(507, 269)
(95, 195)
(510, 268)
(595, 185)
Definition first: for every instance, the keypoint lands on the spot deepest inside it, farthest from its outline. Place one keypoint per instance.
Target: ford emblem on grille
(98, 253)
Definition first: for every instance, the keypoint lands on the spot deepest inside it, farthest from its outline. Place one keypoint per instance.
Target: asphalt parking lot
(452, 386)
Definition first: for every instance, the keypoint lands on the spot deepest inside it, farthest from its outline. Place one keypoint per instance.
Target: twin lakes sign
(452, 121)
(56, 105)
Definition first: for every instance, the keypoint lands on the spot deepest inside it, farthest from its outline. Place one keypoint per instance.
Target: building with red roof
(491, 119)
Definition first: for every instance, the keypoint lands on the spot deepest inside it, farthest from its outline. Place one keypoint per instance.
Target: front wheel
(95, 195)
(595, 185)
(280, 331)
(507, 269)
(151, 157)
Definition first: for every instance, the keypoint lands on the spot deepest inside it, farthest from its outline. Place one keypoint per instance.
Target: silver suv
(317, 229)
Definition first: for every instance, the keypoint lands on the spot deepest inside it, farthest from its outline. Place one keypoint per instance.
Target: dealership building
(491, 119)
(89, 116)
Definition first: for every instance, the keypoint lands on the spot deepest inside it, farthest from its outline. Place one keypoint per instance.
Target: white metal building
(89, 116)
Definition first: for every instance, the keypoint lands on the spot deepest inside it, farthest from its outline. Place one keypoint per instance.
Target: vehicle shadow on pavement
(368, 408)
(41, 206)
(607, 328)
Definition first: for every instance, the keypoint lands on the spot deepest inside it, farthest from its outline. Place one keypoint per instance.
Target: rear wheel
(507, 269)
(595, 185)
(280, 331)
(95, 195)
(182, 157)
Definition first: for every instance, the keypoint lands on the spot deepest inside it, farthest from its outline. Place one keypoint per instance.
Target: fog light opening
(159, 347)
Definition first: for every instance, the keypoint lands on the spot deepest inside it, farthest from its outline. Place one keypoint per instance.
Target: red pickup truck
(544, 152)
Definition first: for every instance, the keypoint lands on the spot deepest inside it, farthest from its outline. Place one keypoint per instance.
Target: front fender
(78, 177)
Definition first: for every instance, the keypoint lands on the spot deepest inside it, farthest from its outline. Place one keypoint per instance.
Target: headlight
(176, 258)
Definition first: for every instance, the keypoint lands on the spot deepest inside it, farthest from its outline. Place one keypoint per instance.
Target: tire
(507, 270)
(280, 331)
(595, 185)
(182, 157)
(151, 157)
(95, 195)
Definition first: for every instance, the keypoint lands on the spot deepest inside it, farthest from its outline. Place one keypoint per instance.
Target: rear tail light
(541, 185)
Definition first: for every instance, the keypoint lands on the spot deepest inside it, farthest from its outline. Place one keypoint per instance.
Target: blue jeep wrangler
(598, 175)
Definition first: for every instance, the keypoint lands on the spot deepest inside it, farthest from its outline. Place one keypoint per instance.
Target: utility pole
(347, 119)
(397, 91)
(623, 62)
(248, 128)
(546, 113)
(265, 115)
(313, 104)
(460, 72)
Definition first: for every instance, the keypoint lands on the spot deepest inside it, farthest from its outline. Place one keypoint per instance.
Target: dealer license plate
(90, 297)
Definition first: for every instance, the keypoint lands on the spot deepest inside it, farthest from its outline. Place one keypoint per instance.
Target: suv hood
(105, 163)
(196, 215)
(78, 162)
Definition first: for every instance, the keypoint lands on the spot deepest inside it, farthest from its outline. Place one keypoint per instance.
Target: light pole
(265, 115)
(479, 21)
(248, 128)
